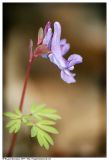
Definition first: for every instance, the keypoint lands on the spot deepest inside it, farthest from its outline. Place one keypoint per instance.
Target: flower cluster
(51, 46)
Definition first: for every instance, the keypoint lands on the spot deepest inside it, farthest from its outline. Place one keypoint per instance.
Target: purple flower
(58, 49)
(51, 46)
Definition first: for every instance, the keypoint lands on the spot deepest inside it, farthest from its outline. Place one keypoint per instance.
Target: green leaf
(11, 115)
(48, 128)
(42, 111)
(49, 110)
(29, 124)
(18, 125)
(33, 131)
(15, 127)
(11, 123)
(47, 122)
(47, 137)
(12, 129)
(24, 119)
(43, 138)
(18, 112)
(45, 143)
(42, 141)
(37, 117)
(39, 138)
(50, 116)
(36, 108)
(33, 108)
(43, 126)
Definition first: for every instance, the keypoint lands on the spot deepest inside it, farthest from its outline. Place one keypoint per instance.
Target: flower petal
(65, 48)
(63, 41)
(74, 59)
(44, 56)
(67, 76)
(47, 26)
(47, 37)
(57, 61)
(71, 68)
(55, 45)
(53, 59)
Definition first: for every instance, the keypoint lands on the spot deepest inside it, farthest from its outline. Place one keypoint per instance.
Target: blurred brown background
(82, 105)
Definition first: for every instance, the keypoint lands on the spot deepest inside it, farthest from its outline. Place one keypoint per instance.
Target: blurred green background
(82, 105)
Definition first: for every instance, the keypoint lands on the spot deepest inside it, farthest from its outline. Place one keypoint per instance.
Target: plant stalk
(14, 137)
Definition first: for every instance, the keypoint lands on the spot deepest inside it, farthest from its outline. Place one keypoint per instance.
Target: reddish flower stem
(11, 148)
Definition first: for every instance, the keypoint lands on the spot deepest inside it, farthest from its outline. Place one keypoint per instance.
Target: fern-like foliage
(41, 121)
